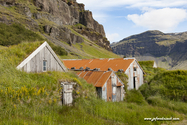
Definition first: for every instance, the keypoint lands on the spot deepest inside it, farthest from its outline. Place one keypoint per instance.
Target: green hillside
(30, 98)
(164, 88)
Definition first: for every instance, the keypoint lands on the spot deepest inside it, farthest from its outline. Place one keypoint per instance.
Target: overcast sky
(122, 18)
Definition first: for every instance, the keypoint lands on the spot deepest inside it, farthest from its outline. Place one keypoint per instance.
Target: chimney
(120, 70)
(81, 68)
(87, 68)
(96, 69)
(73, 68)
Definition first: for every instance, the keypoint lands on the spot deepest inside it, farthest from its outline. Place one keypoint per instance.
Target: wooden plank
(109, 90)
(114, 88)
(49, 62)
(28, 67)
(118, 94)
(25, 68)
(37, 62)
(40, 66)
(47, 57)
(42, 58)
(32, 65)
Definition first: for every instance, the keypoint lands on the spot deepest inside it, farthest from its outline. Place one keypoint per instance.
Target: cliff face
(53, 18)
(168, 50)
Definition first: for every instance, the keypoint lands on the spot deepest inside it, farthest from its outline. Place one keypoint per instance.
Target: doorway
(134, 82)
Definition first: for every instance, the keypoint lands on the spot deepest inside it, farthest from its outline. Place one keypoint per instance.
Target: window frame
(135, 69)
(44, 66)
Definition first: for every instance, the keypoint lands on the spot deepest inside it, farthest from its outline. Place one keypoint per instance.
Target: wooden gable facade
(108, 86)
(41, 60)
(135, 75)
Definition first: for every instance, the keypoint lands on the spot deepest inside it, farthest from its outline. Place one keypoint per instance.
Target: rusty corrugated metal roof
(96, 78)
(82, 74)
(103, 64)
(103, 79)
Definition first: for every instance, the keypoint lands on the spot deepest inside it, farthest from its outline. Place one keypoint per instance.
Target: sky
(123, 18)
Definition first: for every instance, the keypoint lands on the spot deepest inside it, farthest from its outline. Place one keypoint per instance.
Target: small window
(134, 68)
(44, 65)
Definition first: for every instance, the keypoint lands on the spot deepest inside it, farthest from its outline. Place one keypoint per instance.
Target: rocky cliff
(169, 50)
(54, 18)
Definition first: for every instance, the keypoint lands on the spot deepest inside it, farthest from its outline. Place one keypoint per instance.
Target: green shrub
(124, 78)
(146, 63)
(135, 96)
(149, 70)
(171, 85)
(15, 34)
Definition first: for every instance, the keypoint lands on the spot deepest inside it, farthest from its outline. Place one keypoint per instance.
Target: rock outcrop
(53, 16)
(7, 2)
(94, 36)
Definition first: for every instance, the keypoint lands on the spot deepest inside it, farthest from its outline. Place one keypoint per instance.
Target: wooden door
(109, 90)
(67, 94)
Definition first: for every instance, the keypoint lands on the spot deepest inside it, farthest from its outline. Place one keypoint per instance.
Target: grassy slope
(30, 98)
(90, 49)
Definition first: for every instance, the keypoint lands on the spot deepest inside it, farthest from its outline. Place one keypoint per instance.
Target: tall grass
(15, 34)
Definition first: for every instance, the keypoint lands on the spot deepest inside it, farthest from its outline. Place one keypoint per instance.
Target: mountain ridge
(167, 49)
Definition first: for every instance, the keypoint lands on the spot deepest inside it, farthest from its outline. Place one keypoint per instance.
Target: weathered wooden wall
(118, 94)
(110, 90)
(36, 63)
(104, 92)
(138, 74)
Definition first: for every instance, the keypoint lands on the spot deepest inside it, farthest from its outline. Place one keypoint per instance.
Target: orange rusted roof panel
(103, 79)
(75, 63)
(96, 75)
(87, 75)
(82, 74)
(103, 64)
(116, 64)
(119, 83)
(96, 78)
